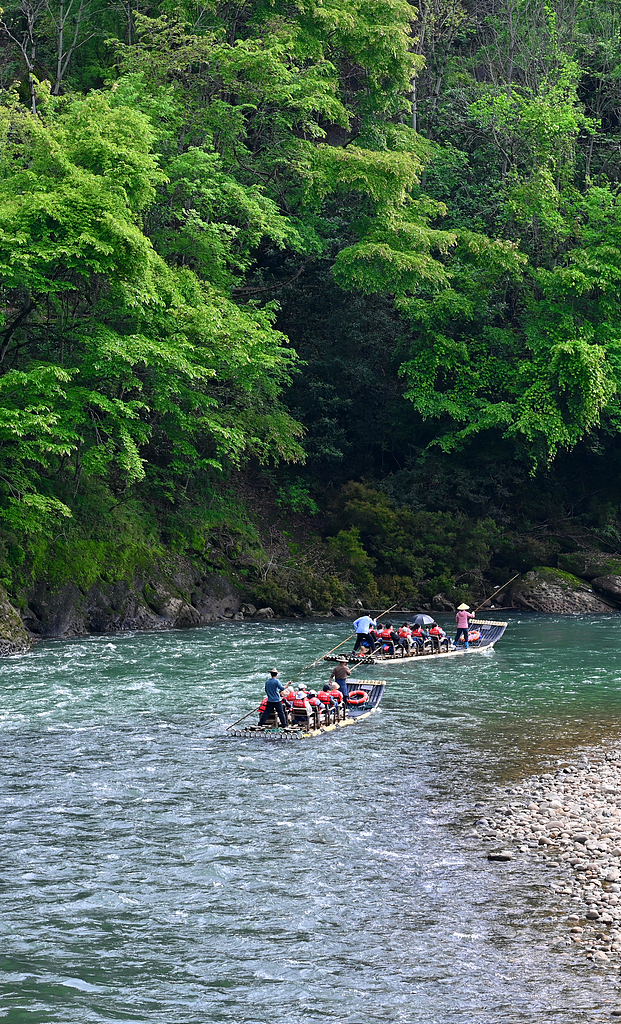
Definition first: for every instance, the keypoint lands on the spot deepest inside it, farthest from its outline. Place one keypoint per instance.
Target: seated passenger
(315, 704)
(329, 703)
(418, 636)
(299, 699)
(336, 693)
(388, 638)
(436, 634)
(363, 651)
(405, 637)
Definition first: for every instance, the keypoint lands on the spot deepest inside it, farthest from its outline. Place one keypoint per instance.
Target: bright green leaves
(112, 356)
(385, 177)
(372, 37)
(33, 437)
(544, 382)
(393, 253)
(376, 266)
(536, 129)
(212, 223)
(69, 193)
(248, 95)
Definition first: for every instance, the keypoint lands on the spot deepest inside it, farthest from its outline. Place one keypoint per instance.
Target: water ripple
(153, 871)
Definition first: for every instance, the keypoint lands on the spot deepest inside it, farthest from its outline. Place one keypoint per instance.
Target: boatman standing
(362, 627)
(273, 689)
(339, 673)
(462, 619)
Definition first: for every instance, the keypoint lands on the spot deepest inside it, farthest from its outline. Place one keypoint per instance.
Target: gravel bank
(570, 818)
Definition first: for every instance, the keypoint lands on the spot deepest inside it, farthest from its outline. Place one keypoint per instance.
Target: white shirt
(364, 623)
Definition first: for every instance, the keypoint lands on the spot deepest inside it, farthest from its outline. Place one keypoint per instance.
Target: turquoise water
(154, 871)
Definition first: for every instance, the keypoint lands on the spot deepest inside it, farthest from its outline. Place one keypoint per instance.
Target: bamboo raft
(491, 632)
(319, 723)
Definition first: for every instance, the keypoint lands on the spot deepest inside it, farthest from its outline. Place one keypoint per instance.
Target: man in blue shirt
(273, 688)
(362, 627)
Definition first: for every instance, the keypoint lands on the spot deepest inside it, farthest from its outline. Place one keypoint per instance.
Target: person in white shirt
(362, 627)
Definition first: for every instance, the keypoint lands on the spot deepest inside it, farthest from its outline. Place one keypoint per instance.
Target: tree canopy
(292, 232)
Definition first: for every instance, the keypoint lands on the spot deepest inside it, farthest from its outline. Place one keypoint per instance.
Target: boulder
(557, 593)
(610, 586)
(590, 564)
(265, 613)
(13, 637)
(441, 603)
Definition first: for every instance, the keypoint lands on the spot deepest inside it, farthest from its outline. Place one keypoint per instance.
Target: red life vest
(300, 700)
(263, 705)
(324, 697)
(404, 631)
(436, 631)
(417, 631)
(316, 703)
(337, 693)
(386, 633)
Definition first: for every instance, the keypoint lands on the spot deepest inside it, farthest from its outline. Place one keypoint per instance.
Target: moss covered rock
(558, 593)
(590, 564)
(13, 637)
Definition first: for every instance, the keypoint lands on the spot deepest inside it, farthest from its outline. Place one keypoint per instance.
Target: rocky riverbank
(570, 818)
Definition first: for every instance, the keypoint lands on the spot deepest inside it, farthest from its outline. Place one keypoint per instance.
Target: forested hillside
(321, 295)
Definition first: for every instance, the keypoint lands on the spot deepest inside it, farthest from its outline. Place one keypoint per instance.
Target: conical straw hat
(463, 607)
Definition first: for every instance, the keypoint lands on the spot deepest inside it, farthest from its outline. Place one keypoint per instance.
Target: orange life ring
(357, 697)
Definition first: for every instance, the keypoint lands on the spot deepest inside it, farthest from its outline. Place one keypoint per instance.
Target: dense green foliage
(378, 239)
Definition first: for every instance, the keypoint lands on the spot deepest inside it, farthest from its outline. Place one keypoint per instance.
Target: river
(154, 871)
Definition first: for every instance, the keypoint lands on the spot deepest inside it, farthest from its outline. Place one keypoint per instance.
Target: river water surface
(154, 871)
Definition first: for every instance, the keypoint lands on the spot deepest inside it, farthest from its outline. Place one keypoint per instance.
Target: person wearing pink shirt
(462, 618)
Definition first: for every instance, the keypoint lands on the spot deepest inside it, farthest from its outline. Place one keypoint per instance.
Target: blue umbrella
(423, 620)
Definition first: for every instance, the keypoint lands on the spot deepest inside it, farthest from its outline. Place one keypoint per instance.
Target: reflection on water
(155, 871)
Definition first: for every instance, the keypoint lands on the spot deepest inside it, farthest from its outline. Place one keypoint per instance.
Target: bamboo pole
(351, 635)
(253, 712)
(496, 592)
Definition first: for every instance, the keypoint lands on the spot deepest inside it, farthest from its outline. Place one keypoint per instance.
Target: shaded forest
(324, 295)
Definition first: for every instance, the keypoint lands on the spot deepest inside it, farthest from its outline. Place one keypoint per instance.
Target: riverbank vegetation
(322, 294)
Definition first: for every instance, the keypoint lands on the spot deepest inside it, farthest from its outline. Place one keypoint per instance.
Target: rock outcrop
(13, 637)
(163, 600)
(609, 586)
(590, 564)
(559, 593)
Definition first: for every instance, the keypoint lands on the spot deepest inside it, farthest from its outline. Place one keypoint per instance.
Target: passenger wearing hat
(462, 617)
(340, 673)
(273, 689)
